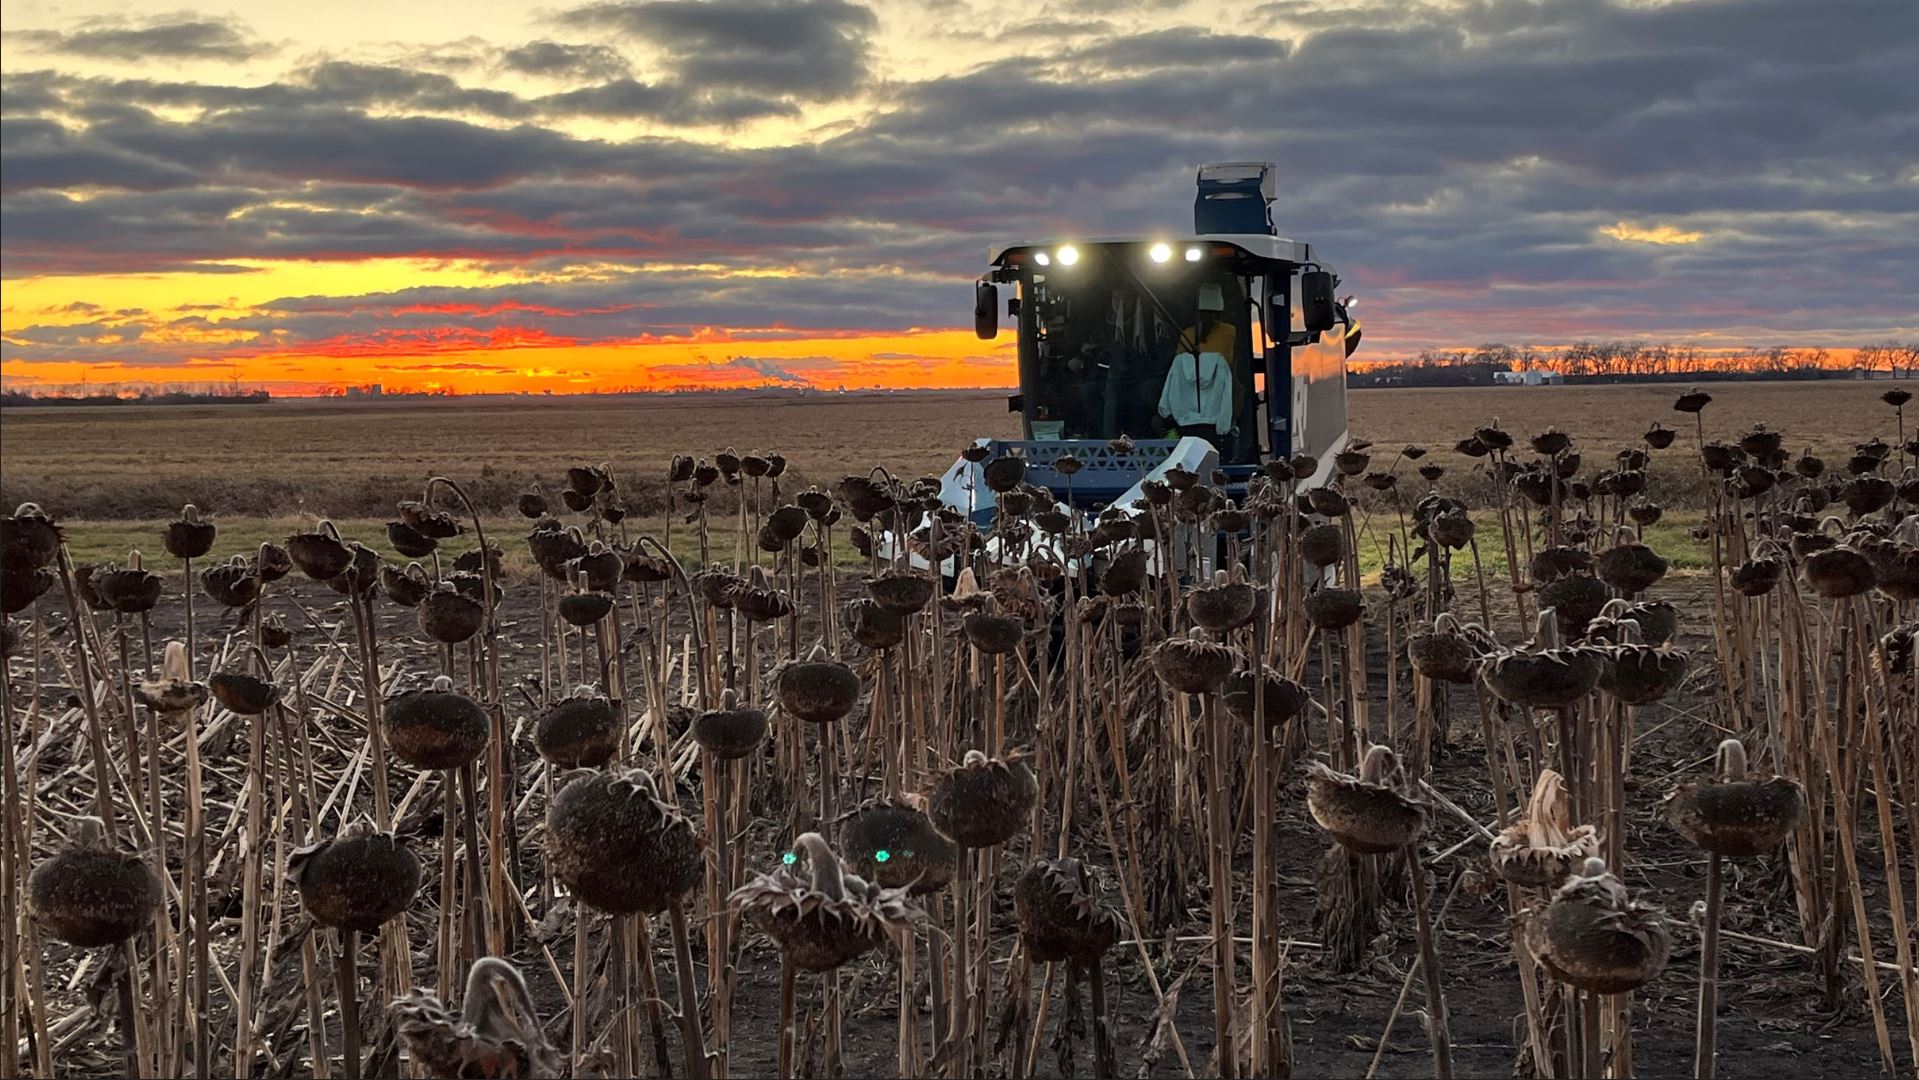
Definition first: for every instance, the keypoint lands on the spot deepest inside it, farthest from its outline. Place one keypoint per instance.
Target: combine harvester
(1213, 353)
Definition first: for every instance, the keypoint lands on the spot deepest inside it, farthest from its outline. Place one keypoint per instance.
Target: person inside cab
(1198, 395)
(1210, 331)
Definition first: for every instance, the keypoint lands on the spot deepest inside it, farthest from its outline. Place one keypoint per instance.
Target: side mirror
(1316, 305)
(985, 310)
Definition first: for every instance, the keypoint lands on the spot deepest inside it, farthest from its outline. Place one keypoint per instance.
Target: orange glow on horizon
(193, 327)
(509, 360)
(413, 324)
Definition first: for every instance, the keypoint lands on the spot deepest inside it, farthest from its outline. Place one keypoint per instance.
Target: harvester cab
(1210, 352)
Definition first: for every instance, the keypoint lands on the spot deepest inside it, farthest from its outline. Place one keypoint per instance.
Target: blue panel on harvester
(1235, 197)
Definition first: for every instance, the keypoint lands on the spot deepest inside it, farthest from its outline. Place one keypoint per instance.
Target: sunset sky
(490, 196)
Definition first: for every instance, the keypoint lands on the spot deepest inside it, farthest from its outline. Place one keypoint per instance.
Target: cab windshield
(1099, 343)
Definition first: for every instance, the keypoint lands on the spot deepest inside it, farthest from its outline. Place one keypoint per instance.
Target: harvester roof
(1256, 246)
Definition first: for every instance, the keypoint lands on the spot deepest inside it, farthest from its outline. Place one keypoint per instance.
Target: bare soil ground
(346, 459)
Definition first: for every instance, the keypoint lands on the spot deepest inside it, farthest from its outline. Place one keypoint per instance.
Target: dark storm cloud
(813, 49)
(1457, 165)
(178, 37)
(554, 59)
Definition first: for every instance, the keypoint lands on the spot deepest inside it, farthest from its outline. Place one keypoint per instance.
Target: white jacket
(1199, 390)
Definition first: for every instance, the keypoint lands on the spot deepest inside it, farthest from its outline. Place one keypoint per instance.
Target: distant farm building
(1529, 377)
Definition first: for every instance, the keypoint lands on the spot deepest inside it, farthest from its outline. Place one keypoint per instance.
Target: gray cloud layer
(182, 37)
(1460, 165)
(556, 59)
(814, 49)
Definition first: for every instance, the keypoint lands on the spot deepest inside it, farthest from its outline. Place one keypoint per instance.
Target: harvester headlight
(1042, 259)
(1068, 255)
(1193, 254)
(1160, 253)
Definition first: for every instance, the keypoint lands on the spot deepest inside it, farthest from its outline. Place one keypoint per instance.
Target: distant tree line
(1639, 361)
(146, 396)
(378, 390)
